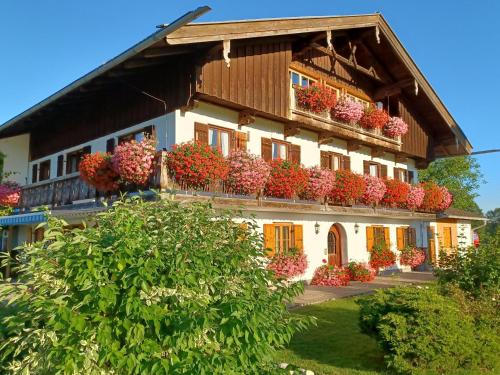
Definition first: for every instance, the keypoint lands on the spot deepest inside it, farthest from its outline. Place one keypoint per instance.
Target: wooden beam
(246, 117)
(141, 63)
(291, 130)
(392, 89)
(422, 164)
(400, 158)
(162, 52)
(377, 152)
(324, 137)
(191, 104)
(353, 145)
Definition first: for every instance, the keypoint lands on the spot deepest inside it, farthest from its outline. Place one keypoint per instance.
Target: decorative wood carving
(226, 49)
(246, 117)
(353, 145)
(291, 130)
(377, 152)
(324, 137)
(191, 104)
(400, 158)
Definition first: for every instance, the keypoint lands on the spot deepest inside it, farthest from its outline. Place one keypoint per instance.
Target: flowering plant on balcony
(348, 110)
(396, 194)
(319, 183)
(134, 161)
(247, 173)
(10, 193)
(446, 200)
(411, 256)
(348, 187)
(327, 275)
(97, 170)
(359, 271)
(415, 197)
(395, 127)
(316, 98)
(374, 191)
(195, 165)
(374, 118)
(286, 180)
(381, 257)
(288, 265)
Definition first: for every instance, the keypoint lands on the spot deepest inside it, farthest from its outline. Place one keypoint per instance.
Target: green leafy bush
(151, 288)
(422, 330)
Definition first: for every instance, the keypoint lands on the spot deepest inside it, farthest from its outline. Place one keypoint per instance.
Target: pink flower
(287, 266)
(415, 197)
(412, 257)
(331, 276)
(395, 127)
(134, 161)
(248, 173)
(347, 110)
(447, 199)
(375, 190)
(319, 183)
(10, 193)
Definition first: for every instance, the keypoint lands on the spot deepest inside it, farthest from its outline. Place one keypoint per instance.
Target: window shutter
(201, 133)
(387, 238)
(241, 141)
(412, 236)
(86, 150)
(366, 167)
(34, 173)
(370, 238)
(60, 165)
(266, 149)
(110, 145)
(383, 171)
(447, 237)
(324, 160)
(294, 154)
(411, 177)
(298, 241)
(346, 163)
(269, 239)
(400, 231)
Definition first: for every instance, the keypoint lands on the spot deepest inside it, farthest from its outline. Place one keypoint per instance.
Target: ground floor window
(281, 238)
(406, 236)
(377, 236)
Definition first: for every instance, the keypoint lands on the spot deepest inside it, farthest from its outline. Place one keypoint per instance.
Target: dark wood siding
(417, 141)
(257, 77)
(117, 107)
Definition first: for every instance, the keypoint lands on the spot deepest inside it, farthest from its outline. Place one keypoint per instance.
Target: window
(219, 139)
(374, 169)
(60, 165)
(110, 145)
(280, 150)
(377, 236)
(334, 161)
(406, 236)
(404, 175)
(34, 173)
(73, 159)
(299, 79)
(138, 135)
(44, 171)
(365, 103)
(273, 149)
(280, 238)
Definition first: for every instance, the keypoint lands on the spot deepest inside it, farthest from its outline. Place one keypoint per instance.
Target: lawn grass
(336, 346)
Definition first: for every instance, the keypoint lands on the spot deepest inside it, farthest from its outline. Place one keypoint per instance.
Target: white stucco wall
(464, 233)
(16, 151)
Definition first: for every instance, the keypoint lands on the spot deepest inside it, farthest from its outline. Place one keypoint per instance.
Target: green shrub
(475, 270)
(152, 288)
(422, 330)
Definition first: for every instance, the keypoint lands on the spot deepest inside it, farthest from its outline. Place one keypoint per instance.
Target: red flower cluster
(286, 180)
(331, 276)
(396, 194)
(433, 198)
(374, 118)
(380, 258)
(316, 98)
(97, 171)
(361, 272)
(10, 193)
(196, 165)
(288, 266)
(348, 187)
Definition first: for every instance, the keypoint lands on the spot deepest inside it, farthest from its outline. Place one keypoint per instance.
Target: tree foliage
(461, 175)
(151, 288)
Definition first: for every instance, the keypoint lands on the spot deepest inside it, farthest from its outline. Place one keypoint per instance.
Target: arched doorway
(334, 246)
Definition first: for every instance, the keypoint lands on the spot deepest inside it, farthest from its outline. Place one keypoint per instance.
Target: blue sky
(47, 44)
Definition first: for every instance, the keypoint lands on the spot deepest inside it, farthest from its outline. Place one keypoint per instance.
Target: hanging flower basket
(447, 199)
(396, 194)
(10, 193)
(374, 191)
(247, 174)
(286, 180)
(319, 183)
(395, 127)
(97, 171)
(133, 161)
(315, 98)
(348, 188)
(348, 110)
(288, 266)
(415, 197)
(374, 118)
(359, 271)
(382, 258)
(412, 257)
(195, 165)
(327, 275)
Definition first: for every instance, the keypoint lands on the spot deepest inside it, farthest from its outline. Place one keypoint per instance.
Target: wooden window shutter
(110, 145)
(60, 165)
(383, 171)
(447, 237)
(397, 174)
(266, 149)
(34, 173)
(370, 238)
(298, 240)
(294, 155)
(411, 177)
(241, 141)
(412, 236)
(324, 160)
(387, 238)
(201, 133)
(346, 163)
(366, 167)
(269, 239)
(400, 231)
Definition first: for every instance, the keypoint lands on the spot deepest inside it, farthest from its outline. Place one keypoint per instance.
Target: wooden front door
(431, 244)
(334, 247)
